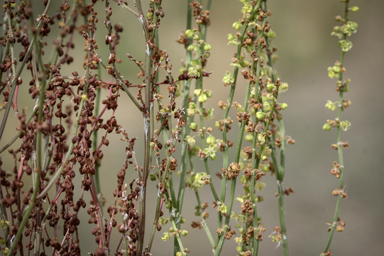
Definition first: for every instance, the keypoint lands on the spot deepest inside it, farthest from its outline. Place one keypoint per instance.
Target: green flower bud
(345, 125)
(207, 55)
(190, 112)
(244, 179)
(270, 87)
(336, 69)
(208, 93)
(210, 140)
(190, 140)
(189, 33)
(244, 63)
(270, 96)
(196, 37)
(284, 86)
(237, 25)
(260, 115)
(212, 157)
(249, 137)
(231, 37)
(168, 205)
(217, 124)
(182, 220)
(166, 236)
(179, 254)
(283, 106)
(149, 16)
(197, 92)
(191, 48)
(194, 63)
(184, 232)
(192, 105)
(327, 127)
(346, 89)
(202, 98)
(152, 176)
(223, 208)
(207, 47)
(193, 126)
(163, 221)
(354, 8)
(267, 106)
(239, 248)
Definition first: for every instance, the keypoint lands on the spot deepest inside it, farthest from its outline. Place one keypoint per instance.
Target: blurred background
(305, 51)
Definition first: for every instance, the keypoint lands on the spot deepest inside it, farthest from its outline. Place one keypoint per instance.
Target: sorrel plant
(65, 134)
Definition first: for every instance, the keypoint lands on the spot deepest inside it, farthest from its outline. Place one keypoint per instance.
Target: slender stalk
(94, 146)
(230, 101)
(339, 144)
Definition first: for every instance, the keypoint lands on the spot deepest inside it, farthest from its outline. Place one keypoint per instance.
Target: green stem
(339, 144)
(94, 145)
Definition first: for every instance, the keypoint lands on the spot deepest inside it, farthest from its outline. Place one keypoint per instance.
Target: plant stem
(339, 144)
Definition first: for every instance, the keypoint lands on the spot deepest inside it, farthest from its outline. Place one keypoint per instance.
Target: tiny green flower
(223, 208)
(4, 224)
(270, 96)
(330, 105)
(247, 8)
(345, 45)
(327, 127)
(267, 106)
(193, 126)
(189, 33)
(271, 34)
(331, 73)
(228, 78)
(244, 179)
(231, 37)
(166, 236)
(190, 112)
(260, 115)
(163, 221)
(197, 92)
(249, 137)
(191, 48)
(190, 140)
(270, 87)
(260, 186)
(208, 93)
(152, 176)
(207, 47)
(284, 86)
(210, 140)
(284, 106)
(237, 25)
(184, 232)
(354, 8)
(244, 63)
(149, 16)
(345, 125)
(261, 138)
(202, 97)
